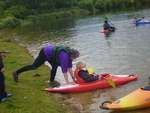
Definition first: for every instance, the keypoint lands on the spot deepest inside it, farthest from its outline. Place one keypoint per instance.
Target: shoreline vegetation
(49, 18)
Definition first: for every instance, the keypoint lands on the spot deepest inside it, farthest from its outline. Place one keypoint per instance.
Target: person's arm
(66, 77)
(2, 70)
(72, 74)
(64, 60)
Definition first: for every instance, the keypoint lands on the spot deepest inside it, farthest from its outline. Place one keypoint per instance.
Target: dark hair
(105, 21)
(73, 53)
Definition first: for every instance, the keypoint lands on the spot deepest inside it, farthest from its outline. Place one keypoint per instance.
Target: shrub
(9, 22)
(2, 6)
(17, 11)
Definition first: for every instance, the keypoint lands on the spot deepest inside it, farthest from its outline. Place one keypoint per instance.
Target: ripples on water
(126, 51)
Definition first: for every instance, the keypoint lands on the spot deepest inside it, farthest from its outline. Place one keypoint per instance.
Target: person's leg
(3, 93)
(52, 82)
(53, 73)
(38, 62)
(2, 86)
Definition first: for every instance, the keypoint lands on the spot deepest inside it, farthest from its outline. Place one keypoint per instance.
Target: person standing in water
(57, 56)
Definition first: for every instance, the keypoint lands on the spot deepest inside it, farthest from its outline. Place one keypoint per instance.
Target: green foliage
(49, 14)
(9, 22)
(2, 6)
(17, 11)
(102, 6)
(51, 21)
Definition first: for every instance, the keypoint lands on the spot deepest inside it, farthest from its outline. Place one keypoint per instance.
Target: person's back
(106, 25)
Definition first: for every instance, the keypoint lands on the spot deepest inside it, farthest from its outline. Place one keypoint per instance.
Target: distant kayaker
(135, 20)
(82, 75)
(107, 26)
(57, 56)
(142, 20)
(3, 93)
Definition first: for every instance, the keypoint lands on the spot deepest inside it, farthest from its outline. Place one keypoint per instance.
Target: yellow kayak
(137, 99)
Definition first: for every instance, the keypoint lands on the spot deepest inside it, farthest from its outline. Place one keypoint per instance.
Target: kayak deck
(99, 84)
(139, 98)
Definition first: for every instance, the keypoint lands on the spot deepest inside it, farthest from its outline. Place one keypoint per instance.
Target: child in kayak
(82, 75)
(3, 93)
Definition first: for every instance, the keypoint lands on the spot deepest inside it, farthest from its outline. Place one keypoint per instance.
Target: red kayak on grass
(98, 84)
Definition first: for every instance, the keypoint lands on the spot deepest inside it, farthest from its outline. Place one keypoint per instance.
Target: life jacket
(79, 80)
(55, 53)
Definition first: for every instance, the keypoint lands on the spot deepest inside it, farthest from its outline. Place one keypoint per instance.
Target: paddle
(110, 82)
(108, 79)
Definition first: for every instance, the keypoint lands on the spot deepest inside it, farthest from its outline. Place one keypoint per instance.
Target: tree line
(14, 12)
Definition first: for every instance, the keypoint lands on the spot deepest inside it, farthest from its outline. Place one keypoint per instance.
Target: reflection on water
(125, 51)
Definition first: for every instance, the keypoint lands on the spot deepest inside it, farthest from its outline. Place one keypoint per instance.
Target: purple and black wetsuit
(46, 54)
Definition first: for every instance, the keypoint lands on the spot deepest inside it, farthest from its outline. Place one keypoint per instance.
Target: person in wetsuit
(56, 56)
(3, 93)
(82, 75)
(107, 26)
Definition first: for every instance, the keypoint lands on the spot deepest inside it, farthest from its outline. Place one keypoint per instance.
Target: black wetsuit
(2, 80)
(106, 26)
(85, 76)
(41, 58)
(147, 88)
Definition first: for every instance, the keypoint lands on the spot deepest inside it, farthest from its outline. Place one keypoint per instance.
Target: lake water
(126, 51)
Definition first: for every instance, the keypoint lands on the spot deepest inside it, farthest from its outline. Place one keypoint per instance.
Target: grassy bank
(27, 95)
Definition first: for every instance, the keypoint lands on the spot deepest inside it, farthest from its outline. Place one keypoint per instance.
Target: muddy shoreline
(86, 102)
(77, 102)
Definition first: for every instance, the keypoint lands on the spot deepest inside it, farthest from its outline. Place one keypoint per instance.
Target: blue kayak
(142, 22)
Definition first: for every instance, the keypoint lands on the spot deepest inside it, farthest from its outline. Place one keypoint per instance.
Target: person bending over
(57, 56)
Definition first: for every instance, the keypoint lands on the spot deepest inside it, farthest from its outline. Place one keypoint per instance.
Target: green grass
(28, 96)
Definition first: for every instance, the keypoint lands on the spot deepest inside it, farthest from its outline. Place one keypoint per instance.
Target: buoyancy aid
(56, 51)
(79, 80)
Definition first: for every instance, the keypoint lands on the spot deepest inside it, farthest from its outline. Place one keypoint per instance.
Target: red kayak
(108, 30)
(99, 84)
(105, 31)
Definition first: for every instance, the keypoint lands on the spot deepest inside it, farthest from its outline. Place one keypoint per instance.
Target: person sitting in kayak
(82, 75)
(136, 20)
(107, 26)
(143, 20)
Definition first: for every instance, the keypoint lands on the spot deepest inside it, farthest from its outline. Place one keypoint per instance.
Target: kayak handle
(102, 106)
(131, 75)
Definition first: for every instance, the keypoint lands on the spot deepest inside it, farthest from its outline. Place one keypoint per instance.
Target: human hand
(2, 70)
